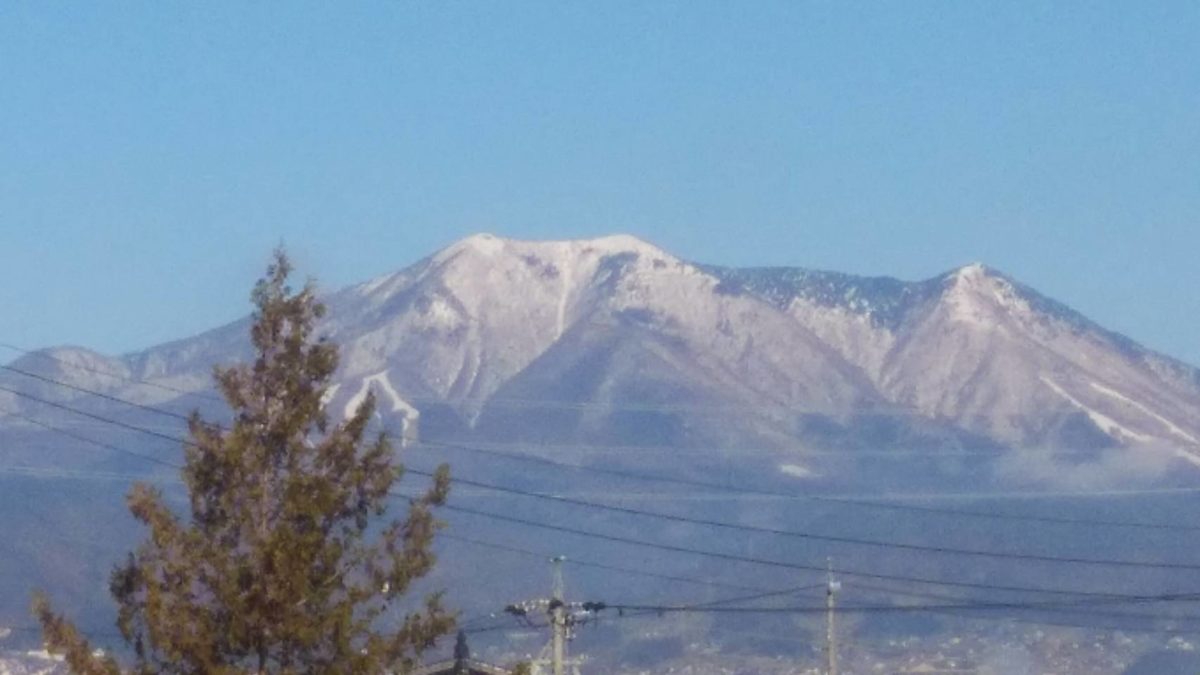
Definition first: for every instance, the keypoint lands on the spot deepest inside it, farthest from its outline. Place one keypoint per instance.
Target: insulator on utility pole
(563, 617)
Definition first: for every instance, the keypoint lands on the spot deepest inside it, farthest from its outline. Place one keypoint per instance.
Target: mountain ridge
(971, 351)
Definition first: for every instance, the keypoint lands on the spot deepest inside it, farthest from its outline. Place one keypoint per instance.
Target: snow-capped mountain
(614, 340)
(613, 354)
(993, 356)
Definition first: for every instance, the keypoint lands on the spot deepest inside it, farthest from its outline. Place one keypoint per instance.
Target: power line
(98, 418)
(762, 593)
(586, 563)
(477, 542)
(706, 522)
(1029, 557)
(613, 537)
(574, 561)
(881, 609)
(794, 590)
(1010, 619)
(664, 479)
(816, 498)
(475, 448)
(92, 441)
(92, 392)
(759, 561)
(535, 404)
(882, 590)
(507, 401)
(1082, 626)
(100, 371)
(948, 608)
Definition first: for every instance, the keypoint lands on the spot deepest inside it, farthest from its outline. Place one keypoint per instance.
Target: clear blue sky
(152, 154)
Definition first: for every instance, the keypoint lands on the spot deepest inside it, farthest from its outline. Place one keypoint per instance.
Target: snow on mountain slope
(612, 326)
(995, 357)
(459, 324)
(74, 366)
(998, 358)
(611, 353)
(662, 342)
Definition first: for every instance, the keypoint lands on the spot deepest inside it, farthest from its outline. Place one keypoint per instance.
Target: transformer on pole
(563, 617)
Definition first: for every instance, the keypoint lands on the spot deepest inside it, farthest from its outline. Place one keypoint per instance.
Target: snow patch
(369, 287)
(1173, 428)
(329, 394)
(964, 311)
(796, 471)
(483, 244)
(565, 271)
(440, 313)
(973, 272)
(979, 298)
(491, 245)
(1106, 423)
(962, 299)
(381, 379)
(622, 243)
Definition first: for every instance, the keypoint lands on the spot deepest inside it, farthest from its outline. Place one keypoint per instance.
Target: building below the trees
(461, 664)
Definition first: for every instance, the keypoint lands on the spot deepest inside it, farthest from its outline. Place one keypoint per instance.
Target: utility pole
(563, 617)
(558, 615)
(832, 586)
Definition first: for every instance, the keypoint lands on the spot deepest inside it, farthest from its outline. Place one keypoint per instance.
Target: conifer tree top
(291, 560)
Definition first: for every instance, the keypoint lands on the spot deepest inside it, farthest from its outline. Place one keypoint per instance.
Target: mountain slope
(994, 356)
(783, 384)
(613, 339)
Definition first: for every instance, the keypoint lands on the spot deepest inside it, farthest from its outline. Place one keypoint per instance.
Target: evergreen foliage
(283, 565)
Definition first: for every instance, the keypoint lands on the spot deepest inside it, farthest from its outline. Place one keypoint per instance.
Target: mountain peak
(972, 270)
(489, 250)
(973, 273)
(490, 316)
(67, 359)
(490, 244)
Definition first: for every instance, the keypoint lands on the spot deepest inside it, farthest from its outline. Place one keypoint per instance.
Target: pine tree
(283, 565)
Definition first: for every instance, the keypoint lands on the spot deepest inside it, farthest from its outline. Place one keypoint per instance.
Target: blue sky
(152, 154)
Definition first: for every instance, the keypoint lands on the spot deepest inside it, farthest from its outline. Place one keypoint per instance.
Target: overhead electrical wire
(721, 524)
(713, 606)
(757, 560)
(97, 394)
(38, 353)
(106, 446)
(1027, 557)
(865, 503)
(889, 506)
(531, 523)
(535, 404)
(451, 536)
(1008, 618)
(687, 482)
(882, 609)
(93, 416)
(1063, 609)
(573, 560)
